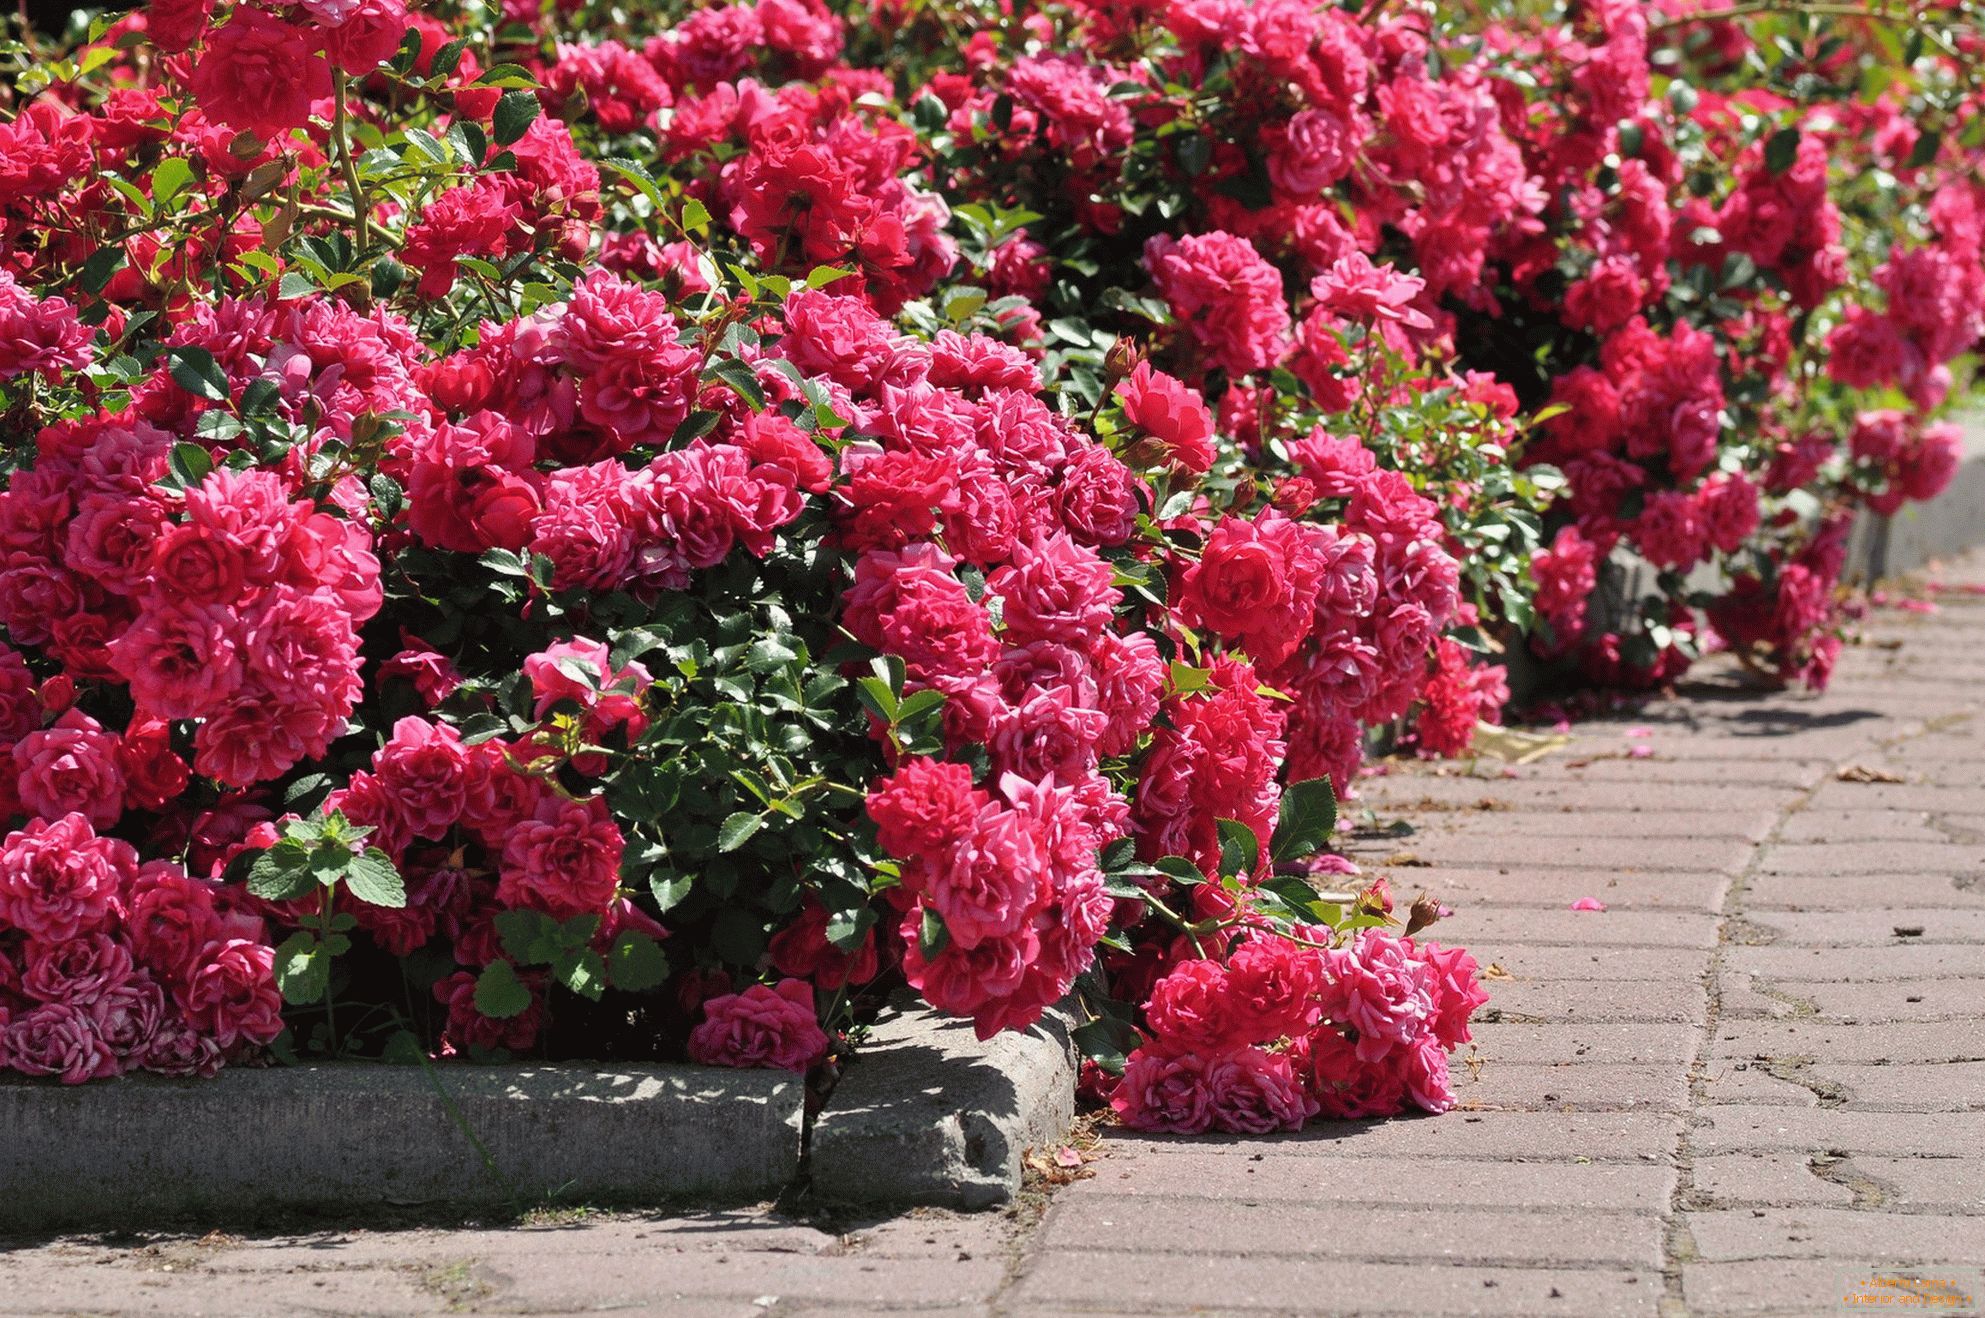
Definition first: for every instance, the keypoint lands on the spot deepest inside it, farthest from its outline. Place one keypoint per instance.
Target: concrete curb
(344, 1136)
(927, 1114)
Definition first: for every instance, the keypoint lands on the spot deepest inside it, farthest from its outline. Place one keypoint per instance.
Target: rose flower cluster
(582, 533)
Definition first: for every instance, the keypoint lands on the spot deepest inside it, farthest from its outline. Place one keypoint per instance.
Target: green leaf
(932, 936)
(636, 962)
(499, 993)
(191, 462)
(530, 938)
(1781, 149)
(1240, 849)
(282, 873)
(170, 178)
(695, 216)
(303, 969)
(372, 878)
(196, 371)
(583, 971)
(515, 113)
(1179, 869)
(738, 829)
(669, 889)
(742, 381)
(1309, 813)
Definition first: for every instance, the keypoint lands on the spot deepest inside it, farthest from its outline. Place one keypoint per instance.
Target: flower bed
(546, 534)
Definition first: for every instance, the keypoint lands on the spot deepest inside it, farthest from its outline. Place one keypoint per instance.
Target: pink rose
(59, 1039)
(761, 1027)
(232, 996)
(180, 660)
(1188, 1009)
(59, 879)
(422, 771)
(198, 564)
(924, 806)
(1252, 1092)
(71, 765)
(992, 879)
(1380, 990)
(564, 860)
(1163, 1093)
(77, 970)
(1345, 1086)
(260, 74)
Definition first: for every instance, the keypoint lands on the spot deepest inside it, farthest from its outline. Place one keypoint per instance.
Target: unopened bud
(1121, 359)
(1424, 911)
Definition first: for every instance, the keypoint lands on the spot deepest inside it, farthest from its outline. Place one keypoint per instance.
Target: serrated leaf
(1240, 849)
(932, 935)
(499, 993)
(372, 877)
(636, 962)
(516, 111)
(196, 371)
(738, 829)
(282, 873)
(583, 971)
(1309, 814)
(669, 890)
(303, 969)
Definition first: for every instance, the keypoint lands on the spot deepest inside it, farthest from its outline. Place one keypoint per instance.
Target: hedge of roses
(541, 530)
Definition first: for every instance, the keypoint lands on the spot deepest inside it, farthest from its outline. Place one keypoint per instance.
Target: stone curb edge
(929, 1114)
(351, 1136)
(925, 1114)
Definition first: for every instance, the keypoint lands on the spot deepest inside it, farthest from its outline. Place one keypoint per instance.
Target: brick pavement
(1756, 1077)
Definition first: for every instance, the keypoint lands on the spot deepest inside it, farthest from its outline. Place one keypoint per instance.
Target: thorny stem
(341, 135)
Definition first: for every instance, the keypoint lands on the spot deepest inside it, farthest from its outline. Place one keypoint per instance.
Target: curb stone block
(354, 1135)
(928, 1114)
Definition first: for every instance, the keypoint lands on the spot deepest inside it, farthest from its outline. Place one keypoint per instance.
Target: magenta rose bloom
(1164, 1093)
(1253, 1092)
(71, 766)
(233, 997)
(59, 1039)
(761, 1027)
(180, 660)
(259, 74)
(423, 774)
(59, 879)
(1188, 1009)
(991, 880)
(564, 860)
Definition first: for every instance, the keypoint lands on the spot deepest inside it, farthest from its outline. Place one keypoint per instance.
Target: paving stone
(1570, 1136)
(1656, 828)
(1582, 1086)
(1860, 891)
(1904, 825)
(1412, 1231)
(1660, 1001)
(1631, 855)
(1957, 1041)
(1838, 796)
(1556, 889)
(1869, 928)
(1795, 1288)
(1545, 963)
(1673, 1045)
(1741, 1129)
(1929, 1087)
(1836, 859)
(1744, 1179)
(1159, 1283)
(1889, 1000)
(1529, 795)
(1743, 1083)
(1897, 959)
(1732, 1235)
(1946, 1183)
(1488, 926)
(1127, 1172)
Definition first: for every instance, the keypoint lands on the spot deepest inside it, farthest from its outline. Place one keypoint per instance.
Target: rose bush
(551, 531)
